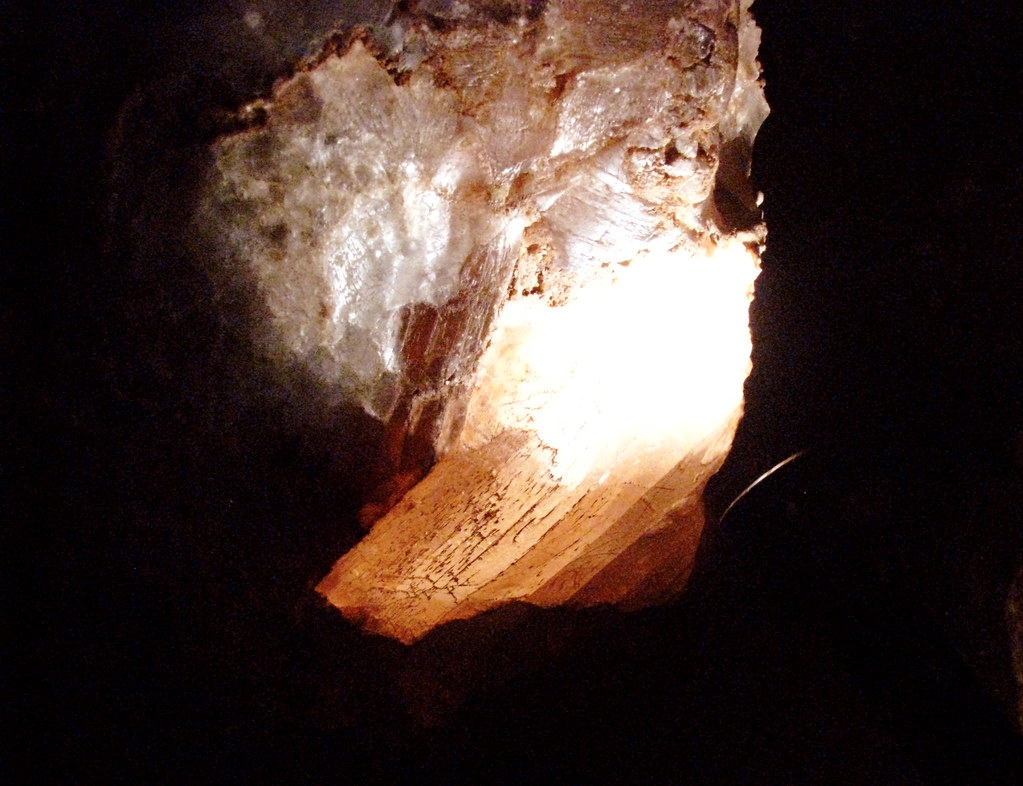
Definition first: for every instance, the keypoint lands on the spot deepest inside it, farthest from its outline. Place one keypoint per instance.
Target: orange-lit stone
(521, 235)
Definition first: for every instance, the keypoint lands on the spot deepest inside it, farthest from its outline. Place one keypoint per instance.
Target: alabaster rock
(521, 235)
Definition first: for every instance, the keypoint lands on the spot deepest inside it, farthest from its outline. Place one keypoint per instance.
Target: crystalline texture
(342, 209)
(521, 234)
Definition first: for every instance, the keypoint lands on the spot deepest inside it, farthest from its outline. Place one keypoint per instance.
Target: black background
(846, 622)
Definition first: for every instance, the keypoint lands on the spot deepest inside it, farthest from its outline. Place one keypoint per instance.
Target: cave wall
(159, 541)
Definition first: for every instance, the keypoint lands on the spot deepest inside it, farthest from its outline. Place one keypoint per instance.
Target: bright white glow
(653, 360)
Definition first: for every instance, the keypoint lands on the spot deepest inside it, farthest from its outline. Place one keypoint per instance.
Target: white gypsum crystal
(520, 232)
(343, 209)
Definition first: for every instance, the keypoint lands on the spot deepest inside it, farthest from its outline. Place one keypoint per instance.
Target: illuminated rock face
(520, 234)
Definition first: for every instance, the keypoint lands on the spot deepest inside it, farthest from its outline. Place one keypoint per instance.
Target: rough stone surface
(520, 234)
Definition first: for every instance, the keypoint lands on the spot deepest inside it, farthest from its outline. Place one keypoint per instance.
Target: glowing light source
(652, 358)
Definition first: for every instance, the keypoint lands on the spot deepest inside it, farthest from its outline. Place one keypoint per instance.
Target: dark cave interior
(846, 623)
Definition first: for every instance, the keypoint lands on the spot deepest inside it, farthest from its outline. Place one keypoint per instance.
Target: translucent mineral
(519, 233)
